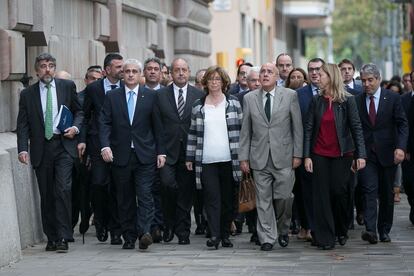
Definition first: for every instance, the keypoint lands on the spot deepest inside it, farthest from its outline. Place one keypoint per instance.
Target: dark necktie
(113, 86)
(180, 104)
(267, 106)
(347, 87)
(372, 114)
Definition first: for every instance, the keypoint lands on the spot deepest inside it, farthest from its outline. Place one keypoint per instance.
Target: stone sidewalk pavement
(299, 258)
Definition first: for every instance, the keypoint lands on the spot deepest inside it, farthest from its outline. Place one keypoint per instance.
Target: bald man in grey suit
(271, 142)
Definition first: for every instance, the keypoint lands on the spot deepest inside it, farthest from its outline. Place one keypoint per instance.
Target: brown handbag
(247, 194)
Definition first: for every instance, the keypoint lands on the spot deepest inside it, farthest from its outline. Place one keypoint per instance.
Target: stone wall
(78, 33)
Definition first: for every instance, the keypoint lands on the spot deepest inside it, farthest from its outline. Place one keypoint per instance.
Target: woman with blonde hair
(333, 143)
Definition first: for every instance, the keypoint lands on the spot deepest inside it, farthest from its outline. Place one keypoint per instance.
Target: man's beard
(47, 79)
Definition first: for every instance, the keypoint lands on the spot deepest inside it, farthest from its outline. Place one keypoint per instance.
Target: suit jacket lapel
(123, 103)
(381, 103)
(190, 99)
(38, 102)
(259, 103)
(139, 103)
(276, 103)
(59, 93)
(172, 100)
(363, 107)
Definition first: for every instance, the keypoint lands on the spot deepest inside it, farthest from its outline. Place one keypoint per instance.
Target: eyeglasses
(314, 69)
(214, 79)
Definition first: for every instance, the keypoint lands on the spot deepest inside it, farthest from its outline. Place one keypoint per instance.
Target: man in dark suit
(177, 183)
(103, 194)
(407, 100)
(305, 95)
(241, 80)
(152, 75)
(130, 133)
(347, 71)
(385, 133)
(51, 152)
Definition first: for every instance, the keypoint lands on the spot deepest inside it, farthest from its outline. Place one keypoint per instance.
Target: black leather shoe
(83, 226)
(342, 240)
(128, 245)
(145, 241)
(101, 232)
(254, 237)
(283, 240)
(369, 237)
(294, 227)
(360, 219)
(226, 243)
(266, 247)
(200, 230)
(213, 242)
(62, 246)
(326, 247)
(184, 241)
(50, 246)
(168, 235)
(156, 235)
(116, 239)
(385, 237)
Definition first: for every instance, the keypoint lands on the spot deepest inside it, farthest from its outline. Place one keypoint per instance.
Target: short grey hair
(134, 62)
(253, 69)
(370, 69)
(44, 56)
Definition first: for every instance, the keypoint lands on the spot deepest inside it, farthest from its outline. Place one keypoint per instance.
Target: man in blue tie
(131, 138)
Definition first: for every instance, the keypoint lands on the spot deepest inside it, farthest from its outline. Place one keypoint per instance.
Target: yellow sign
(406, 56)
(223, 59)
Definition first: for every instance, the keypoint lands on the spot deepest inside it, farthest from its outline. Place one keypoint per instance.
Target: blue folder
(66, 118)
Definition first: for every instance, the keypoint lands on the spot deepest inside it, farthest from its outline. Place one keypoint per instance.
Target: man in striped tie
(177, 183)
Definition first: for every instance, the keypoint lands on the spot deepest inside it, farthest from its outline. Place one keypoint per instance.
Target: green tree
(358, 28)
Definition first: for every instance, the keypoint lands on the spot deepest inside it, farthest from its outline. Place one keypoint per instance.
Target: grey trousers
(274, 201)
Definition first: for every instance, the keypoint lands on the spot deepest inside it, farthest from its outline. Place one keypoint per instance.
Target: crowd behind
(146, 147)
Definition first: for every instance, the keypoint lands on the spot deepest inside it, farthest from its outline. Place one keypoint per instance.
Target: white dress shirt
(43, 97)
(176, 92)
(107, 84)
(377, 96)
(272, 96)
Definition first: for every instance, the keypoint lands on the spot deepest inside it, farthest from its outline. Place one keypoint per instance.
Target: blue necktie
(131, 106)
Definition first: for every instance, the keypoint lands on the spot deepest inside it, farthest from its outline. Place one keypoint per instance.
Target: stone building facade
(78, 33)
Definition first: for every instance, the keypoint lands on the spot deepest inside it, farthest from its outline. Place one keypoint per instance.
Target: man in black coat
(52, 152)
(103, 194)
(130, 132)
(385, 133)
(407, 100)
(177, 183)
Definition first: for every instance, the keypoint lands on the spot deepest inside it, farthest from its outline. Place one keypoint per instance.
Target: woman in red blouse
(333, 144)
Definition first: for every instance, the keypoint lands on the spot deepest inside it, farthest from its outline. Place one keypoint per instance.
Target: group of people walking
(152, 149)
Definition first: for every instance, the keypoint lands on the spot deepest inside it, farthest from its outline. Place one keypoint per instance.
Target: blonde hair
(336, 85)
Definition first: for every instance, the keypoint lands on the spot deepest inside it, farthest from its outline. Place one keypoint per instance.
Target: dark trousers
(103, 194)
(81, 203)
(330, 197)
(299, 206)
(307, 198)
(177, 190)
(218, 190)
(54, 178)
(377, 182)
(408, 180)
(198, 204)
(133, 182)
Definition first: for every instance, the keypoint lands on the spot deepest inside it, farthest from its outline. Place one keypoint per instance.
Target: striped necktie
(180, 104)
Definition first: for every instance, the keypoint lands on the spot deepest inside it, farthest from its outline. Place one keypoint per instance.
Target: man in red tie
(385, 130)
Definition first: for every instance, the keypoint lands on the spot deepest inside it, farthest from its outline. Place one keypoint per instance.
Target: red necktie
(372, 114)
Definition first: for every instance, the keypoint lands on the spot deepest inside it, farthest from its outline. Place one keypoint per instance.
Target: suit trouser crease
(273, 190)
(134, 182)
(54, 177)
(377, 183)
